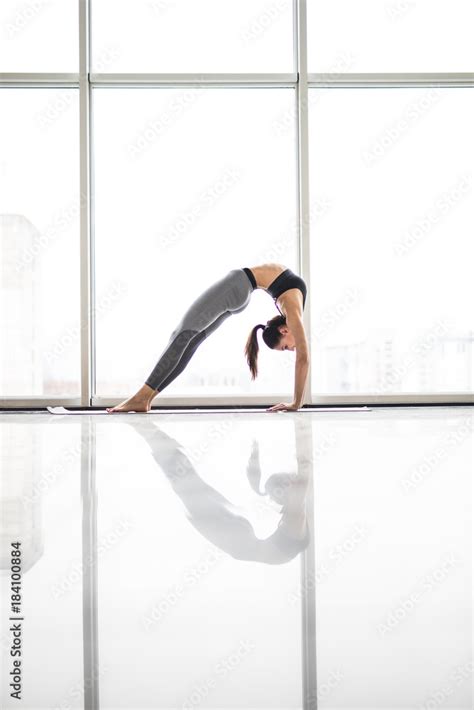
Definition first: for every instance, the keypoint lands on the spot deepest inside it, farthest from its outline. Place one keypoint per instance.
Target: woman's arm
(301, 377)
(294, 322)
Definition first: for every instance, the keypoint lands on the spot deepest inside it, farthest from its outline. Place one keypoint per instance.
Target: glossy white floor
(240, 560)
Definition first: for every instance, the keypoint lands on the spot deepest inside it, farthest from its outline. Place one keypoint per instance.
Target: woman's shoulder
(290, 300)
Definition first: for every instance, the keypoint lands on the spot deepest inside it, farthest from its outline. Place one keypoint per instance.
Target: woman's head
(276, 335)
(277, 486)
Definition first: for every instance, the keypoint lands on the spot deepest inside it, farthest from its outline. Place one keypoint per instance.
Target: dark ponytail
(271, 337)
(251, 350)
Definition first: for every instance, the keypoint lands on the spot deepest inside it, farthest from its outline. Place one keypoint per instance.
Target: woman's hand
(283, 407)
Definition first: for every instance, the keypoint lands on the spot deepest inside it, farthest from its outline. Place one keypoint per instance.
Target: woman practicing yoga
(229, 295)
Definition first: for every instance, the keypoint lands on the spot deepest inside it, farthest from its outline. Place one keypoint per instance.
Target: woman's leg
(230, 294)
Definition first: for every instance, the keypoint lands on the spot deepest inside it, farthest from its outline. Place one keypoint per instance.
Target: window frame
(301, 81)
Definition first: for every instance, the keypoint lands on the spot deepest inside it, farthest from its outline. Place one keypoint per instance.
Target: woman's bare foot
(139, 402)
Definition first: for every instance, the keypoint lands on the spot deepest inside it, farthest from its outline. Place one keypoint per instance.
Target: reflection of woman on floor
(230, 295)
(213, 515)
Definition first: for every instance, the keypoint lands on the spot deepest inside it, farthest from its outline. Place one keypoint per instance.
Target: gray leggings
(229, 295)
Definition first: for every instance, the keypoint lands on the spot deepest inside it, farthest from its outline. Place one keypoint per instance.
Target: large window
(151, 146)
(391, 259)
(173, 171)
(39, 242)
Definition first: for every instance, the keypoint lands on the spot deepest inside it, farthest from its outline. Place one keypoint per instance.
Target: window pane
(189, 183)
(39, 242)
(391, 36)
(39, 36)
(189, 36)
(391, 261)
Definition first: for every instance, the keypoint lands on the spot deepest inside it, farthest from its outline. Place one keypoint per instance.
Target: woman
(229, 295)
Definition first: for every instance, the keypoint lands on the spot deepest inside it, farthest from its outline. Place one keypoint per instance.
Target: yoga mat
(63, 410)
